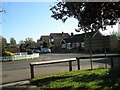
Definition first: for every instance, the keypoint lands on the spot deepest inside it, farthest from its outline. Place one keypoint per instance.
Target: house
(75, 43)
(43, 39)
(54, 39)
(57, 37)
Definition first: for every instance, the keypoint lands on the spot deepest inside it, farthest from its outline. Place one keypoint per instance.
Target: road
(20, 70)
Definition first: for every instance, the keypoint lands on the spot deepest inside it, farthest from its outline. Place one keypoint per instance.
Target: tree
(114, 41)
(90, 15)
(4, 42)
(29, 40)
(2, 10)
(47, 44)
(27, 44)
(12, 41)
(21, 42)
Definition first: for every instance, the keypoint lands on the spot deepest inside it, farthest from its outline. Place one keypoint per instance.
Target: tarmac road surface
(20, 70)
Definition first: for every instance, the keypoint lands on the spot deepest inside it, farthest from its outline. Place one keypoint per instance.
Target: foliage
(114, 42)
(12, 46)
(29, 51)
(6, 53)
(21, 42)
(3, 50)
(29, 40)
(115, 35)
(12, 41)
(47, 44)
(27, 44)
(101, 79)
(90, 15)
(4, 41)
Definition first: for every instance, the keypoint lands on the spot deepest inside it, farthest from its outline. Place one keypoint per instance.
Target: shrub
(6, 53)
(29, 51)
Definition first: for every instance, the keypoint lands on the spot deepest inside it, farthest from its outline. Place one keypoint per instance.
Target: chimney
(72, 34)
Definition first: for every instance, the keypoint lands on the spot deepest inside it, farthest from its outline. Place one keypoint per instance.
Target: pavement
(20, 85)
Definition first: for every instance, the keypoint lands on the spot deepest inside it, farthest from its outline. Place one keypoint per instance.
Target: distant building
(54, 39)
(76, 43)
(43, 39)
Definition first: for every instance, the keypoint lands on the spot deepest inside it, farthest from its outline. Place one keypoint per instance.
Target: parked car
(36, 51)
(45, 50)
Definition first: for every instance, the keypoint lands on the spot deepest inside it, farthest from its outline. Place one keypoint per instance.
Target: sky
(33, 19)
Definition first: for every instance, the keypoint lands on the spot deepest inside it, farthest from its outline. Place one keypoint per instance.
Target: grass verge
(103, 79)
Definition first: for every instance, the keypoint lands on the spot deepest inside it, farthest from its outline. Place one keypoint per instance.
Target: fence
(100, 43)
(21, 53)
(19, 56)
(50, 62)
(77, 59)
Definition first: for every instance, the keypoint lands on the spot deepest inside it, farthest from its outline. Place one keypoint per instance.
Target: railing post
(70, 65)
(91, 59)
(78, 63)
(105, 60)
(111, 62)
(32, 71)
(104, 43)
(90, 50)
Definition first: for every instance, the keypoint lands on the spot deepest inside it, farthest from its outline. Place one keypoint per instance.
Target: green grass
(102, 79)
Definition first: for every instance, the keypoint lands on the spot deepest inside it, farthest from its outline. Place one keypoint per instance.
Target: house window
(73, 45)
(51, 40)
(63, 46)
(83, 44)
(40, 42)
(77, 44)
(69, 46)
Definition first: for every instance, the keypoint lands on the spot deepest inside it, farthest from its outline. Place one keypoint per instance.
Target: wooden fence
(97, 43)
(50, 62)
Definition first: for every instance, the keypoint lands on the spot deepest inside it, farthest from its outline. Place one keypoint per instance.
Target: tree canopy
(12, 41)
(3, 41)
(29, 40)
(90, 15)
(47, 44)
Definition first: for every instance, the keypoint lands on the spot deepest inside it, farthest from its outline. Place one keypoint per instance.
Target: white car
(36, 51)
(45, 50)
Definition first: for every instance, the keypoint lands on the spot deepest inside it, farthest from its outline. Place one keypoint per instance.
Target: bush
(29, 51)
(6, 53)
